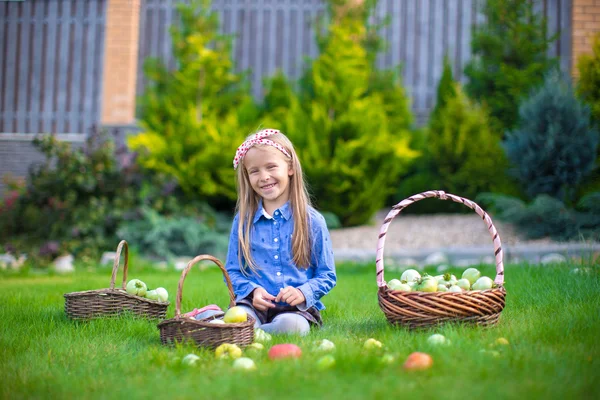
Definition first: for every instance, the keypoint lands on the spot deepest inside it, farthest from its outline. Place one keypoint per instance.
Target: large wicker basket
(202, 332)
(113, 301)
(423, 310)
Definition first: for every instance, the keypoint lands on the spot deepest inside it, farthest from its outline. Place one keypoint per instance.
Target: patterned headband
(258, 138)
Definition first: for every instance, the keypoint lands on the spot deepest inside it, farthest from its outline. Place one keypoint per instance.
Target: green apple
(261, 336)
(136, 288)
(325, 345)
(471, 274)
(254, 347)
(464, 284)
(395, 284)
(228, 350)
(437, 339)
(244, 363)
(387, 359)
(190, 360)
(235, 315)
(152, 295)
(162, 294)
(483, 283)
(372, 344)
(325, 362)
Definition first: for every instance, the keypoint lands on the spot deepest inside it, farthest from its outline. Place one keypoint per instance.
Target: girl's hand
(291, 295)
(262, 299)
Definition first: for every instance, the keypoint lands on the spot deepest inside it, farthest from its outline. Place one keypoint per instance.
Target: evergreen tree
(588, 87)
(509, 58)
(554, 146)
(194, 116)
(350, 124)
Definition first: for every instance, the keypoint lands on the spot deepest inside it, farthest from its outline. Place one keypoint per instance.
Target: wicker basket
(202, 332)
(113, 302)
(423, 310)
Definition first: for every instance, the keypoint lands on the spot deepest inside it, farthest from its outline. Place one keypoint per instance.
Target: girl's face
(269, 173)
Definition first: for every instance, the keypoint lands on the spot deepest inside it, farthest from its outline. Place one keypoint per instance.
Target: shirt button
(275, 240)
(274, 222)
(276, 256)
(276, 212)
(278, 273)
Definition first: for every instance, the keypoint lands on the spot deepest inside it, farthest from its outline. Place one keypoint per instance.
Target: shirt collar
(285, 211)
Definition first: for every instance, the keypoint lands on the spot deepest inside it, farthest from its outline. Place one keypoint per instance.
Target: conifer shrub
(194, 117)
(350, 124)
(509, 58)
(552, 149)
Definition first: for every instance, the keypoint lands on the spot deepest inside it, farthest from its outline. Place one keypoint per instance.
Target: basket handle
(189, 267)
(443, 196)
(122, 244)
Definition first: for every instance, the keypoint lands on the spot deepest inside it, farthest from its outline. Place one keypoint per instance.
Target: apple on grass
(285, 350)
(261, 336)
(418, 362)
(190, 360)
(255, 347)
(438, 339)
(244, 363)
(372, 344)
(325, 345)
(325, 362)
(235, 315)
(228, 350)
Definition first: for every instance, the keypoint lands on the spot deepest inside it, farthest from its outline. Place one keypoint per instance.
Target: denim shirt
(271, 248)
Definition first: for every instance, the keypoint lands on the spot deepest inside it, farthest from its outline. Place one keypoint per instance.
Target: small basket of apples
(233, 327)
(430, 301)
(132, 298)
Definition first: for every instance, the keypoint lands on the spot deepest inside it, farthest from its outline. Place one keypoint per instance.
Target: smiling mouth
(266, 187)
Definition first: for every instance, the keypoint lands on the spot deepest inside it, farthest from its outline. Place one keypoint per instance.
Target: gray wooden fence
(279, 34)
(51, 57)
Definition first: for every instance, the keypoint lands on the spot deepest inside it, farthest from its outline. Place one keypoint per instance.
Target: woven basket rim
(440, 194)
(117, 291)
(203, 323)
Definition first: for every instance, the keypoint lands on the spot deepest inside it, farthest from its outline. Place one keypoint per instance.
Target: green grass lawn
(551, 319)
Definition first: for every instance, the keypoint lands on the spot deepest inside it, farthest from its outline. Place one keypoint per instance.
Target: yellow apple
(228, 350)
(235, 314)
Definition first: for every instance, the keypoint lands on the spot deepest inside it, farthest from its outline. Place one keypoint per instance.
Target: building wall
(586, 24)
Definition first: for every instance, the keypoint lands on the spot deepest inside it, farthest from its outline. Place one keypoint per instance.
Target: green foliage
(509, 58)
(349, 124)
(194, 116)
(554, 146)
(588, 87)
(460, 154)
(75, 197)
(547, 216)
(165, 237)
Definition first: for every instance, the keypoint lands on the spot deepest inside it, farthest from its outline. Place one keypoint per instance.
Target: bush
(547, 216)
(509, 58)
(460, 154)
(164, 237)
(76, 197)
(350, 124)
(554, 146)
(588, 87)
(194, 117)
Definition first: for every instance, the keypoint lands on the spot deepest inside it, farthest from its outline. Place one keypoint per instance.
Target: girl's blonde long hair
(247, 205)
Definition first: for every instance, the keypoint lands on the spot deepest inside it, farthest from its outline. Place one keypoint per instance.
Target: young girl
(280, 259)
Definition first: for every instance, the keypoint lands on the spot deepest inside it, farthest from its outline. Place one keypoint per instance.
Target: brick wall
(120, 62)
(586, 24)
